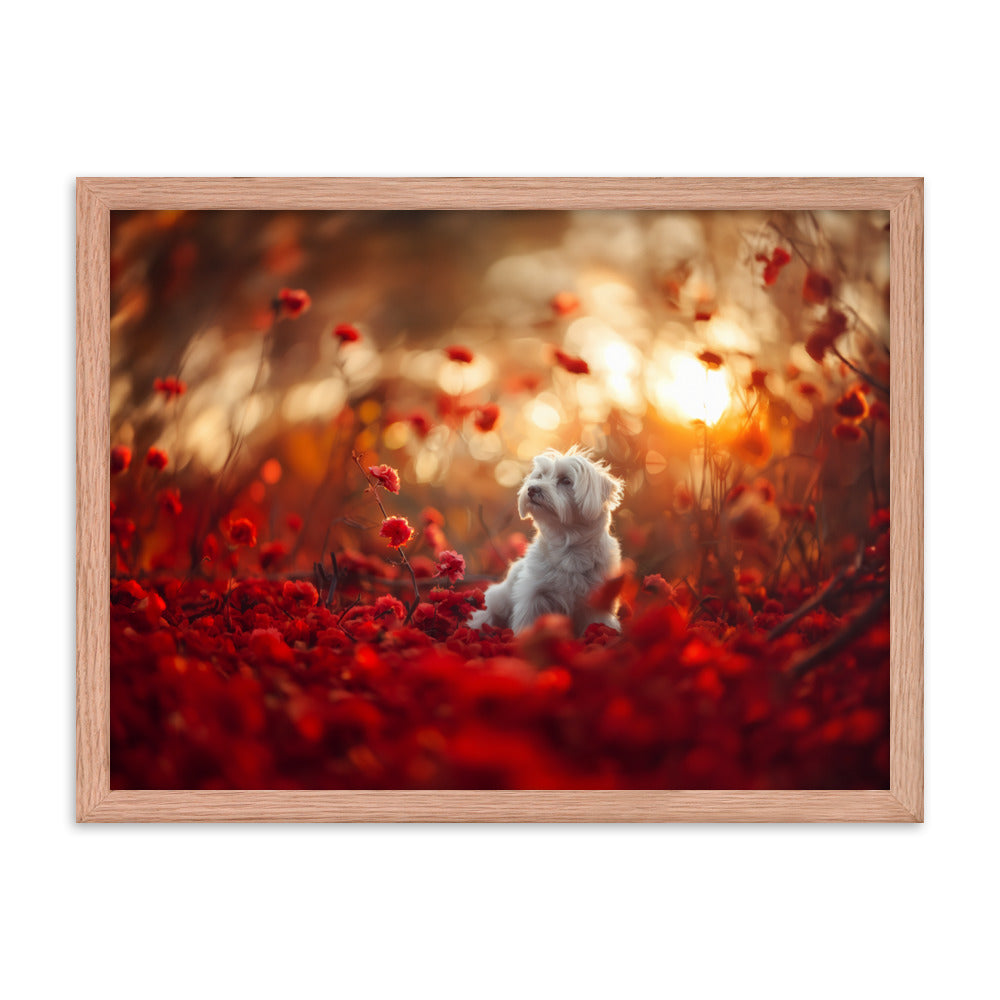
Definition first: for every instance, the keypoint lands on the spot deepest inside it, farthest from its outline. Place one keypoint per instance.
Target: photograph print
(499, 500)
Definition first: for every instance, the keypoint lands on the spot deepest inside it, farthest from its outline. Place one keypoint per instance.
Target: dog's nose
(534, 492)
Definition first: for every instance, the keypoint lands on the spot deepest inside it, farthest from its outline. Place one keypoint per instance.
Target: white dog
(570, 498)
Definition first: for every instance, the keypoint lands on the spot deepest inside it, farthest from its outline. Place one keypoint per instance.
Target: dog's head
(568, 490)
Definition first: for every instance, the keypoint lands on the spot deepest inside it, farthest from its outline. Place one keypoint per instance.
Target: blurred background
(731, 367)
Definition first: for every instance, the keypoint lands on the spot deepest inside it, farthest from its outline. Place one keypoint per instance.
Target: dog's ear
(522, 494)
(597, 490)
(613, 490)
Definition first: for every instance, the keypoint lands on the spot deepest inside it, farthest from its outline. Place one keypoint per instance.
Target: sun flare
(692, 392)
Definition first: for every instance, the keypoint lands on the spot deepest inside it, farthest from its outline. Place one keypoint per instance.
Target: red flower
(386, 477)
(575, 366)
(272, 554)
(241, 531)
(292, 302)
(170, 501)
(299, 592)
(758, 378)
(397, 530)
(880, 411)
(387, 606)
(170, 387)
(121, 458)
(210, 549)
(773, 265)
(451, 565)
(431, 515)
(486, 416)
(847, 432)
(710, 359)
(460, 354)
(346, 333)
(825, 335)
(852, 406)
(564, 303)
(420, 422)
(753, 445)
(294, 522)
(817, 288)
(156, 459)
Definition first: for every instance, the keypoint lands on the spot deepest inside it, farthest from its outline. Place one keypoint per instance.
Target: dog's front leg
(531, 606)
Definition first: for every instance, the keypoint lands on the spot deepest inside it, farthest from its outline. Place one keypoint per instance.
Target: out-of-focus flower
(420, 422)
(241, 531)
(210, 548)
(170, 387)
(170, 501)
(765, 489)
(156, 459)
(346, 333)
(847, 432)
(272, 554)
(121, 458)
(487, 416)
(758, 378)
(817, 288)
(434, 537)
(564, 303)
(575, 366)
(385, 476)
(431, 515)
(825, 335)
(655, 584)
(752, 517)
(880, 411)
(294, 522)
(852, 405)
(753, 445)
(397, 531)
(683, 498)
(291, 303)
(460, 354)
(710, 359)
(773, 264)
(451, 565)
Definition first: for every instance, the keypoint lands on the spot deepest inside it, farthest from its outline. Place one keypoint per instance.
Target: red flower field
(305, 511)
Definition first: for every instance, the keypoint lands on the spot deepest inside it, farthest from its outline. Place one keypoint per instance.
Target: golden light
(690, 391)
(543, 414)
(619, 358)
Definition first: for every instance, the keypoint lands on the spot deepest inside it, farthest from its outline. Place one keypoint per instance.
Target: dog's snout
(534, 492)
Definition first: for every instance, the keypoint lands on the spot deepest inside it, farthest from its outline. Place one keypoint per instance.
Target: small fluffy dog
(570, 498)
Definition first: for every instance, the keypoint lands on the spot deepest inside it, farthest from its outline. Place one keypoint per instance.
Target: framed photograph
(493, 500)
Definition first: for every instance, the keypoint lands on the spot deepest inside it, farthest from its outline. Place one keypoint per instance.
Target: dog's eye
(565, 481)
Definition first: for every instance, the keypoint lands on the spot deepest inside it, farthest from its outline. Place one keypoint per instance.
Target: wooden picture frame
(902, 197)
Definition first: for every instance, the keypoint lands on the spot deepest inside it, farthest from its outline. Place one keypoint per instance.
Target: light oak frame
(98, 197)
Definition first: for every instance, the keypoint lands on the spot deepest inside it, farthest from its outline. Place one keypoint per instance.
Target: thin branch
(821, 597)
(843, 638)
(867, 376)
(334, 581)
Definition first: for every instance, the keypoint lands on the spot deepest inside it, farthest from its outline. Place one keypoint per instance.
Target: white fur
(570, 498)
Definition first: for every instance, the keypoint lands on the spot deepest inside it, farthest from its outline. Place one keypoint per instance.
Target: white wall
(453, 89)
